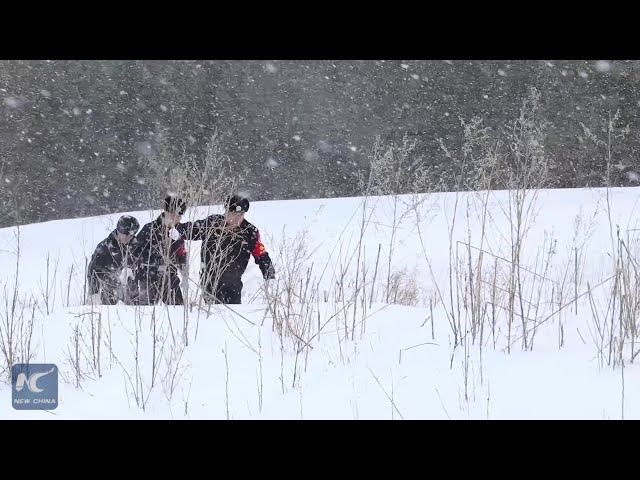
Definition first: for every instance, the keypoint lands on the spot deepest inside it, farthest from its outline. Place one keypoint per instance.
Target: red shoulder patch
(260, 248)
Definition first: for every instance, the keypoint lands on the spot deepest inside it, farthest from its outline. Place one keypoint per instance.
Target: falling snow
(325, 146)
(286, 125)
(310, 155)
(11, 102)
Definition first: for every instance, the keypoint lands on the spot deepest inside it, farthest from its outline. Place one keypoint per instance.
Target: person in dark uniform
(228, 242)
(110, 260)
(160, 253)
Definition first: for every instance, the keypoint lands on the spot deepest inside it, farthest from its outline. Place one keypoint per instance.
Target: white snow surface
(342, 357)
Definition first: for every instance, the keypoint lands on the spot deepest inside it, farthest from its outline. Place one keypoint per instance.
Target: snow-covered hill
(384, 307)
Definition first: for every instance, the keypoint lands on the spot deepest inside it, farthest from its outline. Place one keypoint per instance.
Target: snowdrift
(481, 305)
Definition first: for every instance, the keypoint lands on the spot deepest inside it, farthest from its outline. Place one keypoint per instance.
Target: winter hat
(175, 205)
(128, 225)
(237, 203)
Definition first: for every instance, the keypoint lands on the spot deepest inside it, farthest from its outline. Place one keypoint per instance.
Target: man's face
(173, 219)
(125, 238)
(234, 219)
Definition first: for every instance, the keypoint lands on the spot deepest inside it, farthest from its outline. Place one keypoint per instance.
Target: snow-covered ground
(447, 340)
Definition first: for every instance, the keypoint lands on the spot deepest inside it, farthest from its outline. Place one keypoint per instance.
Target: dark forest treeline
(76, 135)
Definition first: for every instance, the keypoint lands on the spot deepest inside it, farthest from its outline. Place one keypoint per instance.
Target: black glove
(269, 273)
(266, 267)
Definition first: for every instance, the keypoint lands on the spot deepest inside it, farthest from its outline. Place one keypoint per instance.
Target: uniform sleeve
(262, 258)
(98, 261)
(98, 270)
(196, 230)
(139, 244)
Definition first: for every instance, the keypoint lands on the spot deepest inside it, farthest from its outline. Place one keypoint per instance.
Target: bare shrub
(615, 328)
(16, 333)
(403, 180)
(157, 355)
(524, 172)
(17, 317)
(83, 350)
(512, 159)
(293, 296)
(48, 289)
(569, 276)
(200, 181)
(403, 287)
(171, 348)
(469, 164)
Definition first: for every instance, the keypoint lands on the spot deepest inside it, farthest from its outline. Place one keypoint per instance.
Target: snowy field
(440, 306)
